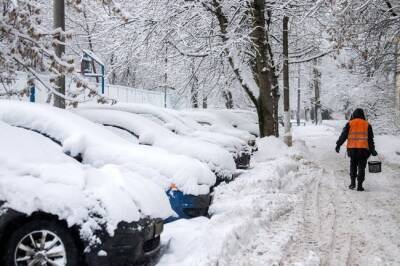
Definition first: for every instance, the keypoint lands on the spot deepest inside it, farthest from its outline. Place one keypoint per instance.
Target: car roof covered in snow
(98, 146)
(35, 175)
(149, 132)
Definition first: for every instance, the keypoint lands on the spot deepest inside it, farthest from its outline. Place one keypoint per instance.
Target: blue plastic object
(32, 94)
(187, 206)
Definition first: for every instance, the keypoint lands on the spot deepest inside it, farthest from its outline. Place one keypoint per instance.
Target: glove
(337, 149)
(374, 153)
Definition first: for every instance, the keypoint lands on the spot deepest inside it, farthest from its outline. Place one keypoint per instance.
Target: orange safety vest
(358, 134)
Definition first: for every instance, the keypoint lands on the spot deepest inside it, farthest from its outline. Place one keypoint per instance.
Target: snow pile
(35, 175)
(245, 212)
(99, 147)
(270, 148)
(388, 147)
(149, 132)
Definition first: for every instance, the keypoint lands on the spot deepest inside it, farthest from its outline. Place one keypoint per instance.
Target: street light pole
(286, 107)
(298, 96)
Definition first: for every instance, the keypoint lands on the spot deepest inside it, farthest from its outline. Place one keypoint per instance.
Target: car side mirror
(146, 139)
(170, 127)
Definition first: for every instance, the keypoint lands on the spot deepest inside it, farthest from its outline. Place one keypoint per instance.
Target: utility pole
(397, 74)
(59, 23)
(286, 102)
(165, 75)
(316, 80)
(298, 96)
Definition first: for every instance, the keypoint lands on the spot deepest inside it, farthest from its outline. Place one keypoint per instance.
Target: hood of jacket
(358, 113)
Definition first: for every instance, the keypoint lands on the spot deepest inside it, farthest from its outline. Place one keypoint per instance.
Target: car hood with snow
(150, 133)
(95, 145)
(36, 176)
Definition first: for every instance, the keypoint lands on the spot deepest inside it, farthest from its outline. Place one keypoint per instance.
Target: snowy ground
(294, 208)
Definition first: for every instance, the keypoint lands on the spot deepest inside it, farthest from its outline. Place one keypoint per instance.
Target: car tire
(27, 242)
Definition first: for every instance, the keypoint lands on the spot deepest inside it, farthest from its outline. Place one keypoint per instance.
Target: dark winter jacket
(363, 153)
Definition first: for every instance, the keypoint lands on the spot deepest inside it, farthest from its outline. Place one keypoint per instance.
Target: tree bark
(59, 23)
(262, 73)
(228, 99)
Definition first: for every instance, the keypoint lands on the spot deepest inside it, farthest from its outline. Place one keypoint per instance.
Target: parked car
(144, 131)
(216, 123)
(180, 177)
(171, 120)
(57, 211)
(240, 119)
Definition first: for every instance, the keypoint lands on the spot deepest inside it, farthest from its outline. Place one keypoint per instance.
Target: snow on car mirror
(146, 139)
(170, 127)
(73, 146)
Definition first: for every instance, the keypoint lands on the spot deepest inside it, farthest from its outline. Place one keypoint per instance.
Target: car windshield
(21, 144)
(123, 133)
(154, 118)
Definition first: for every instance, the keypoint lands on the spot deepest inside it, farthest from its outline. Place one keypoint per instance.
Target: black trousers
(357, 168)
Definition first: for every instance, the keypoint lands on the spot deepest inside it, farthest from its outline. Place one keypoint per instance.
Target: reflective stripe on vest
(358, 134)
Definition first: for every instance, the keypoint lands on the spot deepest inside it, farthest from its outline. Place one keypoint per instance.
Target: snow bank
(99, 147)
(149, 132)
(35, 175)
(388, 147)
(242, 210)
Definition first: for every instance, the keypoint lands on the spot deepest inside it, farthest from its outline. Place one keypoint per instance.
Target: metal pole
(59, 23)
(165, 76)
(298, 96)
(165, 97)
(102, 79)
(286, 102)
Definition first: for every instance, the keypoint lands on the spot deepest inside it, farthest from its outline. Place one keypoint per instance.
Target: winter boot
(353, 183)
(360, 187)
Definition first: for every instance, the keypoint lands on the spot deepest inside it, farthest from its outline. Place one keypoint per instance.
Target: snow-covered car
(240, 119)
(214, 123)
(144, 131)
(57, 211)
(94, 145)
(171, 120)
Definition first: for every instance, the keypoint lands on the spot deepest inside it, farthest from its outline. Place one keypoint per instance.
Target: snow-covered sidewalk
(293, 208)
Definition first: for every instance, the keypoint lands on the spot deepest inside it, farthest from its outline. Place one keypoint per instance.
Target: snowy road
(346, 227)
(294, 208)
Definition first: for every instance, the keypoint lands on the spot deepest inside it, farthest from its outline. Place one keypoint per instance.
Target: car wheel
(41, 242)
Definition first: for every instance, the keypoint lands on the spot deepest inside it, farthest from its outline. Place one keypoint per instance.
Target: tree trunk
(228, 99)
(262, 67)
(205, 99)
(262, 73)
(59, 22)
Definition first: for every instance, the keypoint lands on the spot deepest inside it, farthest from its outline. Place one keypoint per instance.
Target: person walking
(360, 145)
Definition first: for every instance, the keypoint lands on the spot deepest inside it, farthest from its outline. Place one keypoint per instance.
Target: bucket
(375, 166)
